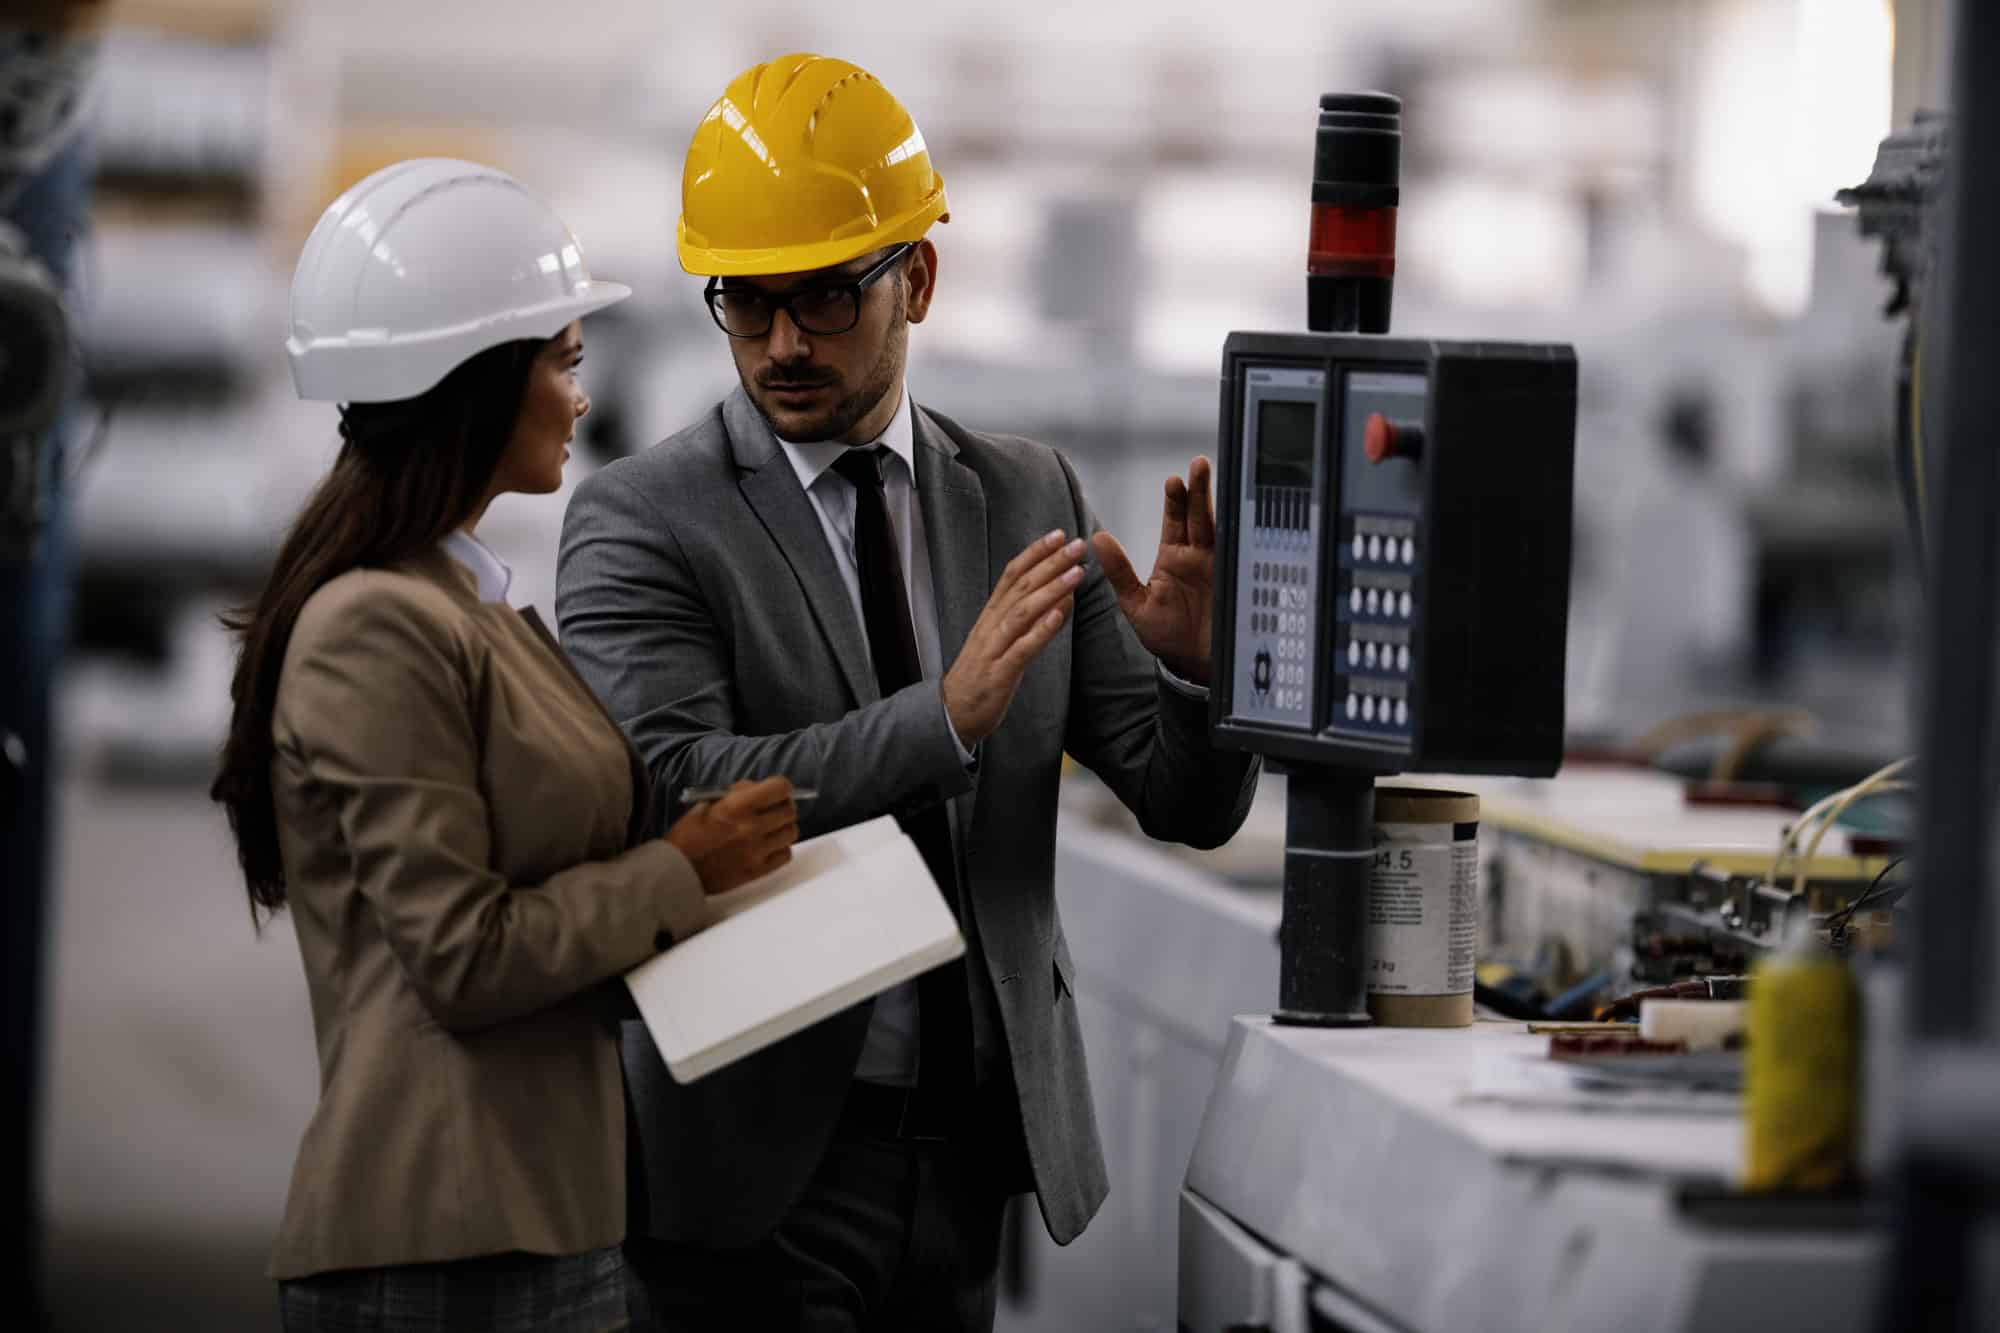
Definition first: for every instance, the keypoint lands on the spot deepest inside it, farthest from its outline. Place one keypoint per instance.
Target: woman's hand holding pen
(747, 833)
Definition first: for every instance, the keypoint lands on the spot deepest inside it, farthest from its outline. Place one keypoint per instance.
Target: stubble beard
(837, 421)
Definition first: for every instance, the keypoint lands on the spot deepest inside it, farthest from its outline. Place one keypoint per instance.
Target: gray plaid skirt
(502, 1293)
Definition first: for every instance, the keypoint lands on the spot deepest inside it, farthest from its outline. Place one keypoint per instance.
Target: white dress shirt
(491, 571)
(890, 1053)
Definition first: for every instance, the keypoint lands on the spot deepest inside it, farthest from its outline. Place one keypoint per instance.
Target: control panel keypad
(1280, 623)
(1374, 633)
(1278, 513)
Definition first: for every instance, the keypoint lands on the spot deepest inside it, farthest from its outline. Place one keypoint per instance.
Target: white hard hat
(419, 267)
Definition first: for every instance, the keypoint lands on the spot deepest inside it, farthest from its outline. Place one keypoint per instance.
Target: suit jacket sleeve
(376, 704)
(636, 621)
(1145, 738)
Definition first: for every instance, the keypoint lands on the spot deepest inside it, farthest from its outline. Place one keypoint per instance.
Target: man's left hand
(1170, 610)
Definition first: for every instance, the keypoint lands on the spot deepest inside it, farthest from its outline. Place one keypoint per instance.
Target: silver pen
(696, 795)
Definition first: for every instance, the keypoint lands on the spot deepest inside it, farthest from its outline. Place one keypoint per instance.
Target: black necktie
(944, 1051)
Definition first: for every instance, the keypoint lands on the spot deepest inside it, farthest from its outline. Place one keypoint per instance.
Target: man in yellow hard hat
(824, 580)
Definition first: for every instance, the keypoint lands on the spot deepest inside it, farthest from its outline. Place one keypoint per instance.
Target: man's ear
(920, 272)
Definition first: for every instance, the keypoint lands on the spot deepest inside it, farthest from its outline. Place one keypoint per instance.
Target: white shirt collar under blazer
(492, 572)
(813, 461)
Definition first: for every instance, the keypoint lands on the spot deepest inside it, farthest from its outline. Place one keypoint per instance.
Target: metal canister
(1423, 907)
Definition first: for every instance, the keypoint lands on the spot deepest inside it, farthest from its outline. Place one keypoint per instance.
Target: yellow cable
(1856, 793)
(1870, 783)
(1798, 826)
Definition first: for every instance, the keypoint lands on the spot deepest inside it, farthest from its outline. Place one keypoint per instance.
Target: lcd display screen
(1285, 442)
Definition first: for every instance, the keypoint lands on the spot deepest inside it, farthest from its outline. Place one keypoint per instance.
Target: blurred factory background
(1650, 180)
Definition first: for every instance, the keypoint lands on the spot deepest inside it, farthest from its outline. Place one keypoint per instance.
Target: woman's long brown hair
(408, 472)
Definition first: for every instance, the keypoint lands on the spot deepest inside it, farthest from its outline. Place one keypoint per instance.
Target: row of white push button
(1376, 602)
(1291, 675)
(1364, 706)
(1378, 548)
(1360, 654)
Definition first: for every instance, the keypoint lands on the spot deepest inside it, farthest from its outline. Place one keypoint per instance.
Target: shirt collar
(814, 460)
(491, 571)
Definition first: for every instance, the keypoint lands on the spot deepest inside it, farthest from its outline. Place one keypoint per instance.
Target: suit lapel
(954, 507)
(773, 492)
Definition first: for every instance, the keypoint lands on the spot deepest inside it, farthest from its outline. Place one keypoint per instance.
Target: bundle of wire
(1878, 894)
(1823, 814)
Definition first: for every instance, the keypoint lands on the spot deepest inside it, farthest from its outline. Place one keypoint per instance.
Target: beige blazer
(459, 821)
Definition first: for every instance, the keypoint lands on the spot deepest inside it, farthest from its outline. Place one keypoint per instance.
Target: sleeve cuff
(969, 758)
(1186, 687)
(684, 905)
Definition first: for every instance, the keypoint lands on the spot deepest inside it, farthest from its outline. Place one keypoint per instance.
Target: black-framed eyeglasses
(824, 308)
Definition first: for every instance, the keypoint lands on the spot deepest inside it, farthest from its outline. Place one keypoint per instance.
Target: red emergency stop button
(1383, 439)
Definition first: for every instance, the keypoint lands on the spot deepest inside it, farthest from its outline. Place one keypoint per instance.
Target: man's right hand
(747, 833)
(1036, 593)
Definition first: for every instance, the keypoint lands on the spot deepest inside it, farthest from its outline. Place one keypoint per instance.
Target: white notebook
(854, 913)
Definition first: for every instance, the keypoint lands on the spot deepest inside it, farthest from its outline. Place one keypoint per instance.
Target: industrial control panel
(1278, 582)
(1393, 589)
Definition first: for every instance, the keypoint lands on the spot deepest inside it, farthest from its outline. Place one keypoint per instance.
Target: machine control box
(1392, 579)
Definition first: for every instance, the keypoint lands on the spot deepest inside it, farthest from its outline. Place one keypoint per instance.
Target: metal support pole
(1323, 929)
(1940, 1205)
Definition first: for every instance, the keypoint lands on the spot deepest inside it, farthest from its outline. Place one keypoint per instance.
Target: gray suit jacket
(697, 595)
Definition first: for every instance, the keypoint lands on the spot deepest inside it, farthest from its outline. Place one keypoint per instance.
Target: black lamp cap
(1357, 158)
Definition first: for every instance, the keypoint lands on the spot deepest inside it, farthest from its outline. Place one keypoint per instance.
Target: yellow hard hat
(804, 162)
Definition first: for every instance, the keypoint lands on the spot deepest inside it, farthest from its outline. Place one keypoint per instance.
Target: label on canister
(1423, 907)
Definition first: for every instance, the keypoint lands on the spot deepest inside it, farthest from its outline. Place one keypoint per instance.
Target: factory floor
(180, 1072)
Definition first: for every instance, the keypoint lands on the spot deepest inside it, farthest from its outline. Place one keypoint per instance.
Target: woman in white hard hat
(456, 824)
